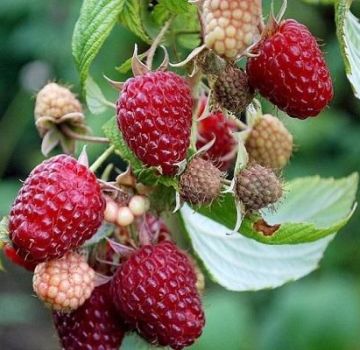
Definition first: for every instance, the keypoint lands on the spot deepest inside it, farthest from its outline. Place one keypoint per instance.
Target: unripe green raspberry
(257, 187)
(231, 26)
(201, 182)
(55, 101)
(269, 143)
(232, 90)
(64, 284)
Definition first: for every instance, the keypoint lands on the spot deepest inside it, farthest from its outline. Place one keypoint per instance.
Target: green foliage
(312, 208)
(131, 18)
(348, 32)
(97, 18)
(165, 9)
(311, 213)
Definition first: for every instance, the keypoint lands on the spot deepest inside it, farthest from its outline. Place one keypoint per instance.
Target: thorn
(83, 157)
(231, 187)
(118, 248)
(117, 85)
(191, 56)
(181, 166)
(205, 148)
(101, 279)
(165, 63)
(177, 201)
(137, 66)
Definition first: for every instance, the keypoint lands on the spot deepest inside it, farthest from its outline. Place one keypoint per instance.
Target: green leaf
(348, 32)
(311, 213)
(95, 99)
(167, 8)
(312, 208)
(131, 18)
(97, 18)
(147, 176)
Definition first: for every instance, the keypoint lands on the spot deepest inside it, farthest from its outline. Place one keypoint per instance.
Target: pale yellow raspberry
(64, 284)
(231, 26)
(55, 101)
(269, 143)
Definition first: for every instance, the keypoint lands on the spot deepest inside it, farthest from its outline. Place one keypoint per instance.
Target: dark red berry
(15, 258)
(154, 114)
(57, 209)
(155, 293)
(93, 326)
(291, 71)
(223, 151)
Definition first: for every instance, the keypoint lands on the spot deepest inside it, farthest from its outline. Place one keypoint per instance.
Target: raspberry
(15, 258)
(55, 101)
(154, 113)
(57, 209)
(64, 284)
(257, 187)
(231, 26)
(232, 90)
(155, 293)
(222, 153)
(200, 183)
(269, 143)
(94, 325)
(291, 71)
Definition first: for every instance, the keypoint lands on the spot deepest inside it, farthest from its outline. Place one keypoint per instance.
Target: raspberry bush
(190, 184)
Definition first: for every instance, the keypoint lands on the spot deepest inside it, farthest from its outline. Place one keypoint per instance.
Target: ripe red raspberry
(58, 208)
(15, 258)
(155, 293)
(94, 325)
(222, 153)
(291, 71)
(154, 113)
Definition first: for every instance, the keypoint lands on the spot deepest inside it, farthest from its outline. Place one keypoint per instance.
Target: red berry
(222, 153)
(291, 71)
(155, 293)
(58, 208)
(15, 258)
(92, 326)
(154, 113)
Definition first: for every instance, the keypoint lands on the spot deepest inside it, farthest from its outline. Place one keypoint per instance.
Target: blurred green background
(320, 312)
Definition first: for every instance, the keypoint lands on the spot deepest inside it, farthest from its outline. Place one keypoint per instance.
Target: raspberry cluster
(101, 256)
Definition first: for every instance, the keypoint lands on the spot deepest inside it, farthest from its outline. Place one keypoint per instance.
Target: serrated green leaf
(348, 32)
(95, 99)
(131, 18)
(239, 263)
(309, 216)
(312, 208)
(97, 18)
(167, 8)
(147, 176)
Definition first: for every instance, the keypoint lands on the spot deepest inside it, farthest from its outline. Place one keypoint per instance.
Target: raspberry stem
(156, 43)
(98, 162)
(75, 136)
